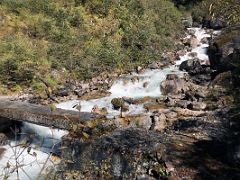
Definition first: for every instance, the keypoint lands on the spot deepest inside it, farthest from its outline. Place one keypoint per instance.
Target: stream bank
(180, 132)
(176, 126)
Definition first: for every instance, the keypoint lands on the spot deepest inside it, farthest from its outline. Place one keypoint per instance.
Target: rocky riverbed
(173, 119)
(170, 123)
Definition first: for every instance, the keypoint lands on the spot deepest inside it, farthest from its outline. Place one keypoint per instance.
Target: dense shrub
(82, 37)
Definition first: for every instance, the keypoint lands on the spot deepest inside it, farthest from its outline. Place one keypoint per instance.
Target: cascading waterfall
(42, 141)
(124, 87)
(32, 162)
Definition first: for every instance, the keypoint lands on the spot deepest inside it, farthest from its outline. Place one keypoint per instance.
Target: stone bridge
(41, 115)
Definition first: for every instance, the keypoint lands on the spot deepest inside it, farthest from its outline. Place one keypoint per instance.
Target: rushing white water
(132, 86)
(42, 140)
(126, 87)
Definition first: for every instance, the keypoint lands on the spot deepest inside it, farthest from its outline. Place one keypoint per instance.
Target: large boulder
(214, 23)
(217, 23)
(117, 103)
(224, 51)
(222, 79)
(121, 154)
(192, 66)
(173, 85)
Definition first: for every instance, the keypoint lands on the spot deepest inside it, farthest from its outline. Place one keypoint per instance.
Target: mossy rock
(227, 36)
(117, 103)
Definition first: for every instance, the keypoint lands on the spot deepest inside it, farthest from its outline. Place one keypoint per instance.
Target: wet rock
(126, 81)
(174, 85)
(98, 110)
(205, 62)
(201, 79)
(139, 69)
(193, 54)
(125, 108)
(135, 79)
(192, 66)
(117, 103)
(205, 40)
(145, 84)
(194, 42)
(172, 77)
(3, 139)
(2, 150)
(191, 31)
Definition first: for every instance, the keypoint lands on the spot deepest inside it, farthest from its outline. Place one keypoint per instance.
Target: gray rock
(118, 103)
(114, 155)
(155, 65)
(145, 84)
(175, 86)
(224, 52)
(193, 42)
(192, 66)
(63, 92)
(3, 139)
(198, 105)
(139, 69)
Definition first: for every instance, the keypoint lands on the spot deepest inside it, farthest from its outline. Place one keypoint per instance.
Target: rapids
(45, 138)
(124, 87)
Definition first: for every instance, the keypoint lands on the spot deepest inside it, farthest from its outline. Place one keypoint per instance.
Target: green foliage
(82, 37)
(228, 10)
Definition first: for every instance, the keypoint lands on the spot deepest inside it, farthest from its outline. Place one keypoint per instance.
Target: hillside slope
(56, 40)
